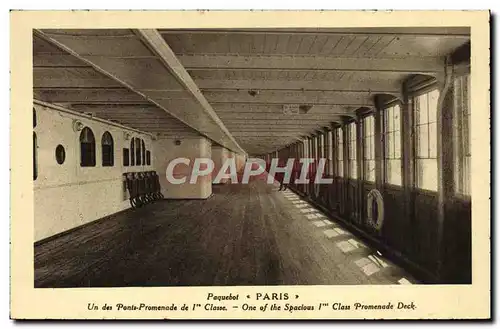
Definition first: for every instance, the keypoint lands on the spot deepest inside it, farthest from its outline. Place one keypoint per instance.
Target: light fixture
(77, 125)
(126, 136)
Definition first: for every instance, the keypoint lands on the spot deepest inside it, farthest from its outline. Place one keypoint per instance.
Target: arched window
(138, 151)
(35, 164)
(108, 154)
(87, 148)
(143, 152)
(132, 152)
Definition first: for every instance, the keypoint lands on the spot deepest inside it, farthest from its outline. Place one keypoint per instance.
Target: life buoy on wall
(375, 195)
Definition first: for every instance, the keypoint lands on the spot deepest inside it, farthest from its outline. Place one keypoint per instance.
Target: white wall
(67, 195)
(191, 147)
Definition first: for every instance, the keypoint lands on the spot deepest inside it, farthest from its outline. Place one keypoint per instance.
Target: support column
(189, 148)
(444, 159)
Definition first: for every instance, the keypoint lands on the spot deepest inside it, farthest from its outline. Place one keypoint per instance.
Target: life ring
(375, 195)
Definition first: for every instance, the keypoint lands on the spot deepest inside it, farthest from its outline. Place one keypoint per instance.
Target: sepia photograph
(250, 158)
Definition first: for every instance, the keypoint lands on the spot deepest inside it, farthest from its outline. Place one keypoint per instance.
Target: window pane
(353, 173)
(390, 145)
(370, 170)
(394, 172)
(461, 136)
(433, 102)
(126, 157)
(432, 140)
(427, 174)
(330, 145)
(107, 150)
(389, 124)
(397, 117)
(143, 152)
(132, 152)
(422, 141)
(421, 109)
(330, 152)
(137, 151)
(87, 154)
(107, 156)
(397, 145)
(372, 147)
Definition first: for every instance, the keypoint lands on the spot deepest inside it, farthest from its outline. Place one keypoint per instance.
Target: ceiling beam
(417, 65)
(44, 82)
(372, 31)
(223, 114)
(374, 86)
(275, 121)
(293, 97)
(50, 60)
(169, 95)
(157, 44)
(278, 108)
(103, 95)
(277, 129)
(280, 127)
(129, 71)
(298, 117)
(261, 135)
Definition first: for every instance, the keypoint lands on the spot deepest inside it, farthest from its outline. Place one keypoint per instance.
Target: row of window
(424, 110)
(88, 151)
(138, 156)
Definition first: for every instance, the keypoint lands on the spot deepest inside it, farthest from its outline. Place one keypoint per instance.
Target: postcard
(250, 165)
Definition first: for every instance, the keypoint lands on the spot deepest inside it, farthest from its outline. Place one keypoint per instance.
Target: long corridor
(242, 235)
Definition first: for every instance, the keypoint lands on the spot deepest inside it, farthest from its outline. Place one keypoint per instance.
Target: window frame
(352, 149)
(384, 132)
(143, 148)
(132, 152)
(126, 157)
(111, 160)
(92, 149)
(419, 90)
(340, 154)
(460, 73)
(363, 120)
(329, 151)
(138, 152)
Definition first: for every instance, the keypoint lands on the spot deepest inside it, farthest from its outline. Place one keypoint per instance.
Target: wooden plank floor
(243, 235)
